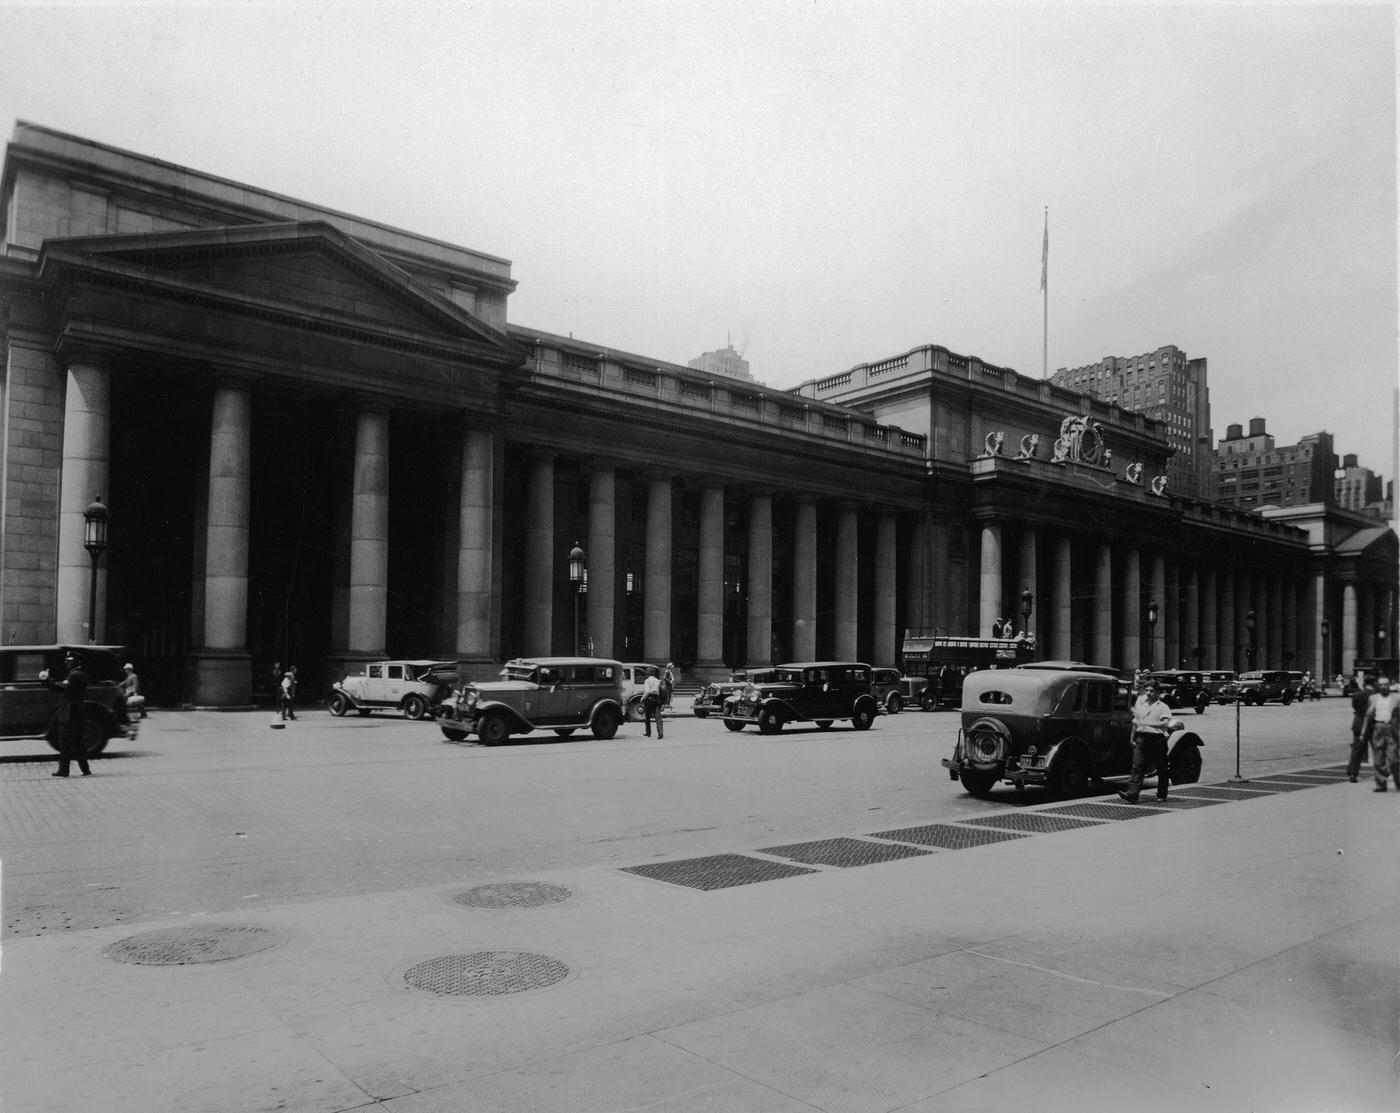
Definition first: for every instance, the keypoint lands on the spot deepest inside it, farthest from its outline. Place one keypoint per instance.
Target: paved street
(1246, 940)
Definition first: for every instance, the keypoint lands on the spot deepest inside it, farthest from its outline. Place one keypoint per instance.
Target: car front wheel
(493, 730)
(337, 705)
(735, 725)
(605, 723)
(1201, 706)
(454, 734)
(862, 718)
(928, 701)
(769, 721)
(415, 707)
(894, 704)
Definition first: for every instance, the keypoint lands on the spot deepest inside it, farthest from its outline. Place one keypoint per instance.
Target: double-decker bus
(946, 660)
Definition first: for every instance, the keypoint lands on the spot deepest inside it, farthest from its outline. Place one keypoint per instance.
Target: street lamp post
(1151, 630)
(95, 542)
(1326, 657)
(578, 579)
(1252, 649)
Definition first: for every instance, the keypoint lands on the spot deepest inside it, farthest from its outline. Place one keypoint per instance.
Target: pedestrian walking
(1383, 718)
(1150, 718)
(287, 694)
(71, 717)
(1360, 729)
(131, 690)
(651, 705)
(668, 684)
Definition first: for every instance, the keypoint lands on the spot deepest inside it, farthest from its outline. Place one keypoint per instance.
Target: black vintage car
(812, 691)
(1059, 725)
(27, 705)
(1184, 689)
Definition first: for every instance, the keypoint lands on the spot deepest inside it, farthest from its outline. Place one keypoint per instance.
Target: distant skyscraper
(1165, 385)
(1250, 471)
(1359, 488)
(726, 361)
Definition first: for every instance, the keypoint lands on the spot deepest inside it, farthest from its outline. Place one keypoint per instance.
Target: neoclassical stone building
(322, 441)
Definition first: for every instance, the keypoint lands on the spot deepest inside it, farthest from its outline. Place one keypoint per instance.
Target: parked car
(1183, 689)
(887, 686)
(634, 675)
(710, 700)
(27, 705)
(920, 691)
(413, 688)
(1056, 725)
(1222, 686)
(813, 691)
(562, 694)
(1266, 686)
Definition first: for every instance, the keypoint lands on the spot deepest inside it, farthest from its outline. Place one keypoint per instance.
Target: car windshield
(518, 672)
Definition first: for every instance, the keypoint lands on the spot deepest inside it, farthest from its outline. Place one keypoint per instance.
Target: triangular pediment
(309, 268)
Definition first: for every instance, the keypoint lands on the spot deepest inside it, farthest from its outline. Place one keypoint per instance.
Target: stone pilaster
(602, 557)
(539, 556)
(369, 536)
(710, 604)
(1062, 583)
(475, 519)
(887, 647)
(760, 575)
(657, 602)
(87, 425)
(804, 582)
(989, 594)
(847, 583)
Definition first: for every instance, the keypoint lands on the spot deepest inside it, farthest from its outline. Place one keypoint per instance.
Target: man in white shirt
(651, 704)
(1151, 717)
(1383, 719)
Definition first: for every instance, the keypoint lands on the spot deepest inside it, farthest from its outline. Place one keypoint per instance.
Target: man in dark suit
(71, 718)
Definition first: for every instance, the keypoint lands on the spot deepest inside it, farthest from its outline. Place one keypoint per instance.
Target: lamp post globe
(1151, 630)
(95, 521)
(578, 580)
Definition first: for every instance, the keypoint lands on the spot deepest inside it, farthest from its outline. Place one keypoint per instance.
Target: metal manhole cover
(946, 836)
(183, 945)
(485, 974)
(1104, 811)
(842, 852)
(718, 871)
(512, 894)
(1031, 821)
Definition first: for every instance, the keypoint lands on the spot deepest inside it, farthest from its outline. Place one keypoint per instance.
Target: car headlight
(750, 693)
(470, 699)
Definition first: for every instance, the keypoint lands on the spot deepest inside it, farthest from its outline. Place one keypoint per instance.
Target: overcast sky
(829, 183)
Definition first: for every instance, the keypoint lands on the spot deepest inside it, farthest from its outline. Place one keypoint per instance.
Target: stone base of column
(478, 666)
(219, 679)
(707, 672)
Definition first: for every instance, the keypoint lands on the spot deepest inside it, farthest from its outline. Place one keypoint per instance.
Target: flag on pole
(1045, 253)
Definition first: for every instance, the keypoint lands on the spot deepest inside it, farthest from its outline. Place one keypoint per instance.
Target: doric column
(1172, 649)
(657, 623)
(989, 596)
(1288, 625)
(1229, 624)
(710, 609)
(1210, 626)
(804, 582)
(87, 423)
(760, 575)
(474, 547)
(602, 557)
(1103, 606)
(1244, 606)
(1062, 586)
(847, 584)
(1365, 620)
(1350, 650)
(1322, 662)
(922, 576)
(539, 555)
(1273, 605)
(1132, 609)
(221, 667)
(1157, 592)
(887, 647)
(1191, 617)
(369, 535)
(1030, 581)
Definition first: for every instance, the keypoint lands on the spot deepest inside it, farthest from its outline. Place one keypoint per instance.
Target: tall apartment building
(726, 362)
(1165, 385)
(1251, 471)
(1359, 488)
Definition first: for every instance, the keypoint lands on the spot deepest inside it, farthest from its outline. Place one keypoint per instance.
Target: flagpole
(1045, 303)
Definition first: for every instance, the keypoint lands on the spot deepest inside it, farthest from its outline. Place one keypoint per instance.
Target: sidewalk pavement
(1235, 953)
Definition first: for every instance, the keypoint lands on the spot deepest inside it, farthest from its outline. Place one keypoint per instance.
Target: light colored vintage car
(1058, 725)
(562, 694)
(634, 675)
(412, 688)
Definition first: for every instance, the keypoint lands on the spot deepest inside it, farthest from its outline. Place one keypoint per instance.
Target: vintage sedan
(1056, 725)
(562, 694)
(1262, 686)
(1183, 689)
(413, 688)
(813, 691)
(28, 706)
(711, 698)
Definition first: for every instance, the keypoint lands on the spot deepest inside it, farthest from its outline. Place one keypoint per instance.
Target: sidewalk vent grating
(1179, 803)
(1031, 821)
(1103, 811)
(946, 836)
(183, 945)
(719, 871)
(1221, 792)
(1273, 784)
(1304, 778)
(842, 852)
(512, 894)
(485, 974)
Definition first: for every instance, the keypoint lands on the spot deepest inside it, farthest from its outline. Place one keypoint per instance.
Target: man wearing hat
(1383, 722)
(1151, 717)
(70, 720)
(131, 690)
(668, 684)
